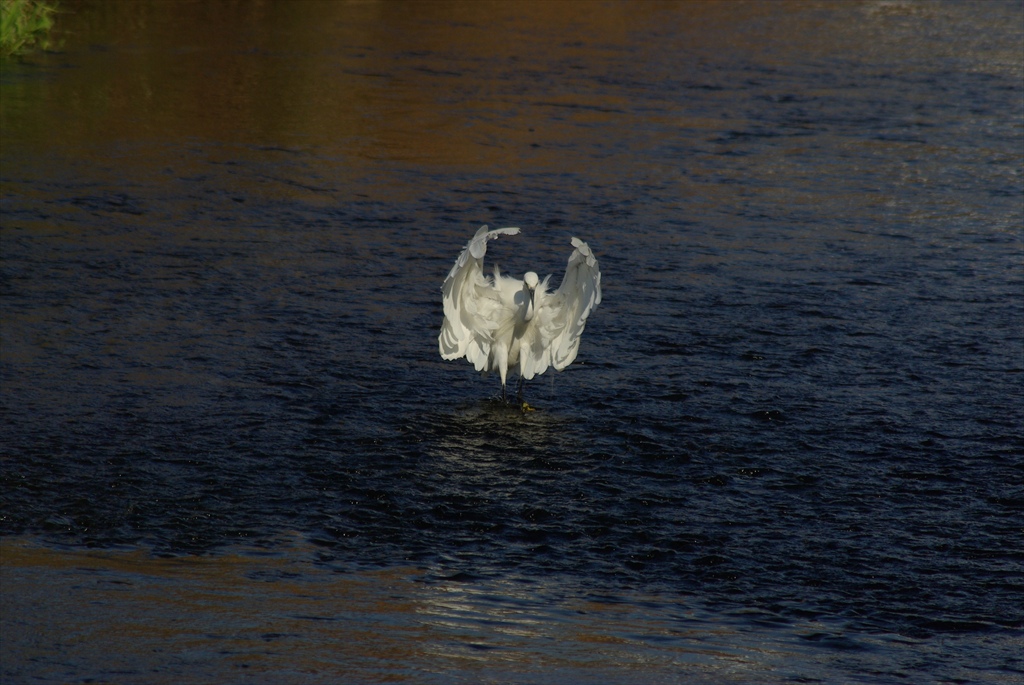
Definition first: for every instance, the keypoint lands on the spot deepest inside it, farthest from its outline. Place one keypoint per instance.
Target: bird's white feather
(497, 323)
(471, 305)
(562, 315)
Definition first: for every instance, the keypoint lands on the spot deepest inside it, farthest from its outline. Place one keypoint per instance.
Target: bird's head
(530, 283)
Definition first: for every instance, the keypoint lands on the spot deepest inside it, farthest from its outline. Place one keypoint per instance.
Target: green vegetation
(25, 24)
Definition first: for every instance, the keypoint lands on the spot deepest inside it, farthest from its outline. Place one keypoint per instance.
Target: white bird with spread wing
(497, 323)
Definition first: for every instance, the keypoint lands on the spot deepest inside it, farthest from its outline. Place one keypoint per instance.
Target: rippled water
(790, 448)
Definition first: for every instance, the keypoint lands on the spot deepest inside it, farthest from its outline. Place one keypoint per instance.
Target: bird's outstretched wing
(563, 314)
(470, 303)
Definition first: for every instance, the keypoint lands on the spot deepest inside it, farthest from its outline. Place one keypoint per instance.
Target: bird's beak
(530, 303)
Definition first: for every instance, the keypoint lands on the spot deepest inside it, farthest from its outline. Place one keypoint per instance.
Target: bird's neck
(528, 315)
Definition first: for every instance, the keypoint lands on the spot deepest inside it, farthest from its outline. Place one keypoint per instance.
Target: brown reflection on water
(374, 79)
(365, 77)
(130, 616)
(314, 72)
(161, 90)
(155, 619)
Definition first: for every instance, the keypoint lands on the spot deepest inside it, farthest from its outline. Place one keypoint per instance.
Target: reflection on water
(277, 617)
(475, 430)
(111, 613)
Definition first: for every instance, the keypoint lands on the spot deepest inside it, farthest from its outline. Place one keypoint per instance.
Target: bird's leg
(519, 396)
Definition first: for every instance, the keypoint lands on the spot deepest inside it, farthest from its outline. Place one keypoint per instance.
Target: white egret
(500, 322)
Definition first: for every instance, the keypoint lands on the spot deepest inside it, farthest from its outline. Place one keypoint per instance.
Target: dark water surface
(790, 448)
